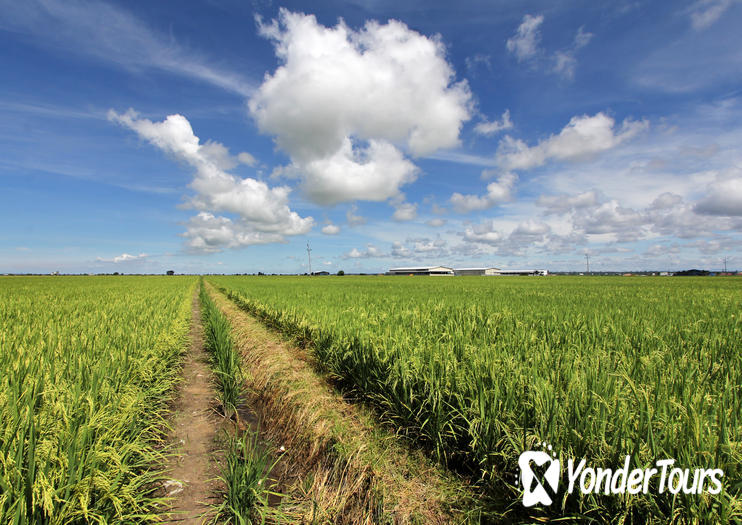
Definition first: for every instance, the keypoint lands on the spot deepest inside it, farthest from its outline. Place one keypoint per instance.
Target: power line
(587, 262)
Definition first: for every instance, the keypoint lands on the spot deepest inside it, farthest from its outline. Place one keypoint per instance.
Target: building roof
(473, 269)
(419, 268)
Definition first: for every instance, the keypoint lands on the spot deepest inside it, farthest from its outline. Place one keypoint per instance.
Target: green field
(480, 369)
(473, 370)
(86, 368)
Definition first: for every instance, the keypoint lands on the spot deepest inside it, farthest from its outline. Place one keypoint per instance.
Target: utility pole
(309, 256)
(587, 262)
(725, 265)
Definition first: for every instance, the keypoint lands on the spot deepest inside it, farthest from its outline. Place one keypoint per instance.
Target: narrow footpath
(194, 429)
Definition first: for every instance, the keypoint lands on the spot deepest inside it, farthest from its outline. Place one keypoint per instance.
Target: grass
(246, 476)
(480, 369)
(86, 369)
(225, 362)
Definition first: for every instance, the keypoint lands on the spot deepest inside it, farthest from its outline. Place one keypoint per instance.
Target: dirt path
(194, 429)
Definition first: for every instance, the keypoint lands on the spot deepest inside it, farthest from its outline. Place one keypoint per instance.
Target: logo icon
(539, 474)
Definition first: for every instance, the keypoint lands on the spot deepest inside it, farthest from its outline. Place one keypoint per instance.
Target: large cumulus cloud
(347, 105)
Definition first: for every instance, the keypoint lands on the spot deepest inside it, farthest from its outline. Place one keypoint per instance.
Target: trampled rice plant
(86, 368)
(481, 369)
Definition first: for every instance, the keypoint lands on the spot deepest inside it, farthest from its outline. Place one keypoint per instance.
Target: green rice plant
(480, 369)
(225, 361)
(87, 366)
(246, 476)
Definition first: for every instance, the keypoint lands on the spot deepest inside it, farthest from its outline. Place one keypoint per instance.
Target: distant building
(476, 271)
(422, 270)
(522, 272)
(323, 272)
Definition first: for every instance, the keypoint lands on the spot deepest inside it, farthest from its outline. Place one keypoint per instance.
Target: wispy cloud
(124, 257)
(111, 34)
(565, 62)
(488, 128)
(524, 44)
(704, 13)
(45, 110)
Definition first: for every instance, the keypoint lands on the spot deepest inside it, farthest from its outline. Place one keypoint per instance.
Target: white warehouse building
(422, 270)
(476, 271)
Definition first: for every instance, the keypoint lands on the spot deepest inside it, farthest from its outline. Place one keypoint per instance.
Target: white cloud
(371, 251)
(246, 158)
(611, 217)
(124, 257)
(400, 251)
(420, 248)
(662, 250)
(580, 139)
(373, 174)
(405, 212)
(436, 223)
(582, 38)
(704, 13)
(264, 214)
(352, 217)
(724, 197)
(525, 43)
(344, 102)
(515, 242)
(207, 233)
(565, 62)
(666, 201)
(331, 229)
(490, 128)
(668, 215)
(531, 228)
(438, 210)
(565, 203)
(475, 62)
(719, 244)
(498, 192)
(108, 33)
(485, 233)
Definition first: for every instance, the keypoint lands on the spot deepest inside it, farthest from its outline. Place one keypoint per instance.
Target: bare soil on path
(195, 425)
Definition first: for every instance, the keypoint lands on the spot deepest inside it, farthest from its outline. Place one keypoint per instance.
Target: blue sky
(222, 136)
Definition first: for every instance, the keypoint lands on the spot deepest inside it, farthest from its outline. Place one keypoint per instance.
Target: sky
(223, 136)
